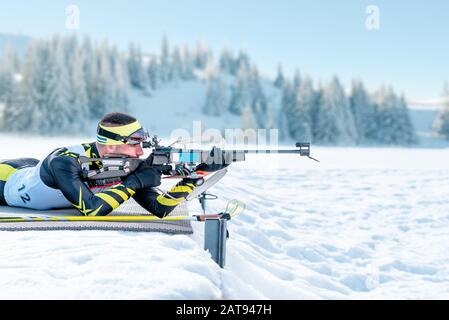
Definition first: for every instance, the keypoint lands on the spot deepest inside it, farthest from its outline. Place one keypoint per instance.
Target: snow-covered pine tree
(10, 55)
(39, 81)
(297, 79)
(259, 113)
(101, 92)
(63, 83)
(40, 100)
(137, 74)
(394, 126)
(258, 98)
(17, 115)
(234, 65)
(279, 81)
(289, 96)
(441, 122)
(164, 65)
(282, 125)
(335, 123)
(408, 136)
(201, 55)
(188, 65)
(78, 98)
(176, 62)
(243, 61)
(271, 120)
(364, 112)
(120, 85)
(69, 46)
(57, 109)
(300, 122)
(288, 104)
(247, 120)
(7, 72)
(240, 92)
(315, 112)
(90, 70)
(216, 96)
(226, 61)
(153, 73)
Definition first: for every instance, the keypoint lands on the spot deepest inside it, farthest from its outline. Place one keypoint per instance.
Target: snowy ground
(362, 223)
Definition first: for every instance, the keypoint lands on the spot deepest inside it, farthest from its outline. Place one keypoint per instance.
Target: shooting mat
(130, 207)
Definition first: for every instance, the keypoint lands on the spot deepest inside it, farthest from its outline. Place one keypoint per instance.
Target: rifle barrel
(304, 149)
(265, 151)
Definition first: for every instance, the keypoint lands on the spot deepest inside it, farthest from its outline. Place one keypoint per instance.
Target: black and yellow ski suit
(57, 182)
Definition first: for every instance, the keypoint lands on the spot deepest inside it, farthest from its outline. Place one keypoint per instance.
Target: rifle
(166, 158)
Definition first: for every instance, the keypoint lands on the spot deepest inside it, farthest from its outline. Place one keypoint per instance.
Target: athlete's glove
(215, 161)
(179, 170)
(210, 167)
(144, 176)
(182, 171)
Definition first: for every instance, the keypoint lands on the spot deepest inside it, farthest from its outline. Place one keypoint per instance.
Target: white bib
(25, 188)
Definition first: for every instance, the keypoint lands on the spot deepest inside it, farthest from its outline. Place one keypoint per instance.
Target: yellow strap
(181, 189)
(6, 171)
(109, 200)
(131, 191)
(169, 202)
(71, 154)
(120, 193)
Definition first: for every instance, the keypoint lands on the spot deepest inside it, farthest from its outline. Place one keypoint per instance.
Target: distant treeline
(63, 81)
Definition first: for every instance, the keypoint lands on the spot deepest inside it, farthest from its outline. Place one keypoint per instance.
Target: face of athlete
(130, 150)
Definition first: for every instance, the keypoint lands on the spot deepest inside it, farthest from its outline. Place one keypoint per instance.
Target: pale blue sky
(321, 38)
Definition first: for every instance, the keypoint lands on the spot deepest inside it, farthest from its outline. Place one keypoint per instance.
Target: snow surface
(363, 223)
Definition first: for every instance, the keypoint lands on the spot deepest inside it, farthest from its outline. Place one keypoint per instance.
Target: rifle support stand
(215, 235)
(202, 200)
(205, 196)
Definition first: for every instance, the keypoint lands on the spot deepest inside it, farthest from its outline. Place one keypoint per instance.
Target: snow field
(363, 223)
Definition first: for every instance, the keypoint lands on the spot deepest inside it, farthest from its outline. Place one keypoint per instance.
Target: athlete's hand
(179, 170)
(144, 176)
(210, 167)
(214, 162)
